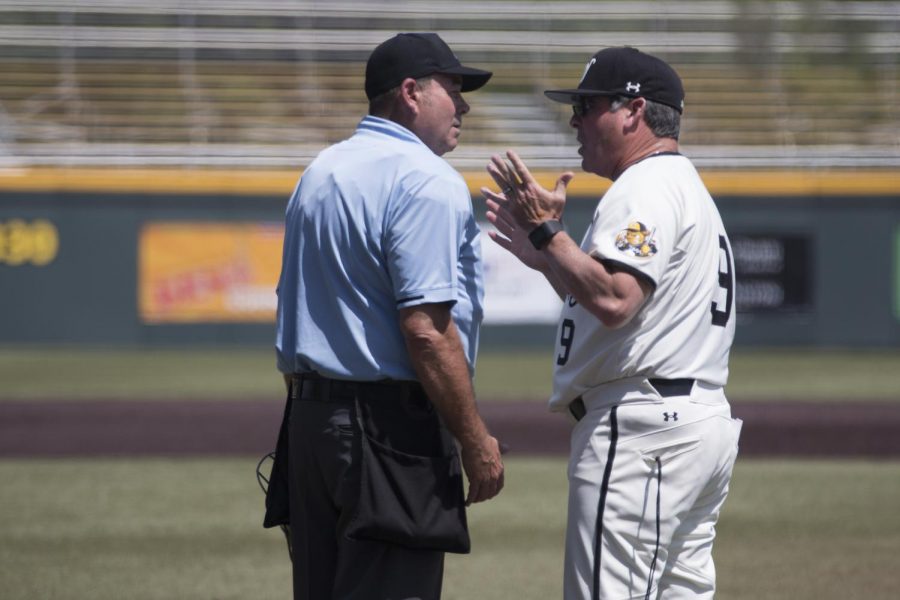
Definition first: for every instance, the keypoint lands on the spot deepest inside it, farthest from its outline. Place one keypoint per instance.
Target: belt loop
(577, 408)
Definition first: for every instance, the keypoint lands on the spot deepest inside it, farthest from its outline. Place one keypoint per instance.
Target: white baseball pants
(646, 484)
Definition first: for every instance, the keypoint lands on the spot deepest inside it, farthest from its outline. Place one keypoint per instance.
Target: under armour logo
(634, 88)
(670, 417)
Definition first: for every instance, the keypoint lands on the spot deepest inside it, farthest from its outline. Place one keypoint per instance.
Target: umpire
(379, 310)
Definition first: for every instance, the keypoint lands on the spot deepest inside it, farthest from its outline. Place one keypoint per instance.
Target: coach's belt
(312, 386)
(672, 387)
(664, 387)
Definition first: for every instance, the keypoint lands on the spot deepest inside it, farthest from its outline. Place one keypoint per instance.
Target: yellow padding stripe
(150, 181)
(869, 182)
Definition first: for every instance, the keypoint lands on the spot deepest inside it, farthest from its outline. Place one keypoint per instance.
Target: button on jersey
(659, 222)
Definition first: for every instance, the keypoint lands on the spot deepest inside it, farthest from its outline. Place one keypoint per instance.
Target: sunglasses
(582, 106)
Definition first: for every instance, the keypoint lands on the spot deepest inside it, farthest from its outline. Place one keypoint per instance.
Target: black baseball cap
(416, 55)
(627, 72)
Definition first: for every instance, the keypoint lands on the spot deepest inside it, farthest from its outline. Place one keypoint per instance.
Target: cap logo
(634, 88)
(587, 68)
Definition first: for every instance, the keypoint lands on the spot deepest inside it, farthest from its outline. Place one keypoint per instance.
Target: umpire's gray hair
(664, 121)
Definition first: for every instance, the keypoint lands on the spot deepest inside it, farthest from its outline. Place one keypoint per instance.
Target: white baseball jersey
(658, 221)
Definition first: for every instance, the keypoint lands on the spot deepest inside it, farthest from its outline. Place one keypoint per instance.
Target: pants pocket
(669, 449)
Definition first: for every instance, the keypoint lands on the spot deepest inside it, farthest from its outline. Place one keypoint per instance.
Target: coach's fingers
(501, 241)
(497, 197)
(494, 219)
(521, 170)
(504, 174)
(504, 232)
(508, 210)
(495, 170)
(501, 225)
(504, 220)
(494, 202)
(562, 182)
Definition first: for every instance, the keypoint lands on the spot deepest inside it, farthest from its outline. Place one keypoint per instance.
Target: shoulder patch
(636, 240)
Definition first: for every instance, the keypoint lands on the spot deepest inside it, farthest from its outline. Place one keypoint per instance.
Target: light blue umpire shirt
(377, 223)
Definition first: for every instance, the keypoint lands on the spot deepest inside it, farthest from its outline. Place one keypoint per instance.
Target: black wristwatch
(541, 234)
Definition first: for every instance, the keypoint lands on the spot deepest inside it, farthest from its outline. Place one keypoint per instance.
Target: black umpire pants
(324, 473)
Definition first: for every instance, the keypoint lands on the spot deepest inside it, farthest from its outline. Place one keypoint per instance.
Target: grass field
(60, 373)
(190, 529)
(148, 529)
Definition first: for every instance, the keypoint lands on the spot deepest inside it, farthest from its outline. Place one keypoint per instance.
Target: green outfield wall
(110, 264)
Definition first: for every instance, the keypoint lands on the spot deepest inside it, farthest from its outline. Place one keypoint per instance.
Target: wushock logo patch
(637, 240)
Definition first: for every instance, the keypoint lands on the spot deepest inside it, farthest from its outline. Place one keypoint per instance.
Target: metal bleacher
(267, 83)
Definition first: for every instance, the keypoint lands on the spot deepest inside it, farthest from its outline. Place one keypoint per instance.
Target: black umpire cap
(626, 72)
(416, 55)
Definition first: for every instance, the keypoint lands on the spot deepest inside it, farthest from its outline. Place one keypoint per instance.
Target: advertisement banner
(191, 272)
(227, 273)
(513, 293)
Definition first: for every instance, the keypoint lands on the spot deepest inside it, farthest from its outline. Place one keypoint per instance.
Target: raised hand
(529, 204)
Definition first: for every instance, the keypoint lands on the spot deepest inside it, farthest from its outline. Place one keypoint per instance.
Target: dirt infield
(147, 428)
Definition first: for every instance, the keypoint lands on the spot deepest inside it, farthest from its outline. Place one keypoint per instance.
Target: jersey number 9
(726, 281)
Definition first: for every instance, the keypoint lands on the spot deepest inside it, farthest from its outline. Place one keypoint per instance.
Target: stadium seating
(110, 85)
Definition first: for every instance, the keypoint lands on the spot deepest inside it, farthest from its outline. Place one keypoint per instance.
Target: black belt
(664, 387)
(672, 387)
(311, 386)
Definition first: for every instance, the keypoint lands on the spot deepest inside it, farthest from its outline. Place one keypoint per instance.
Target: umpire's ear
(410, 96)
